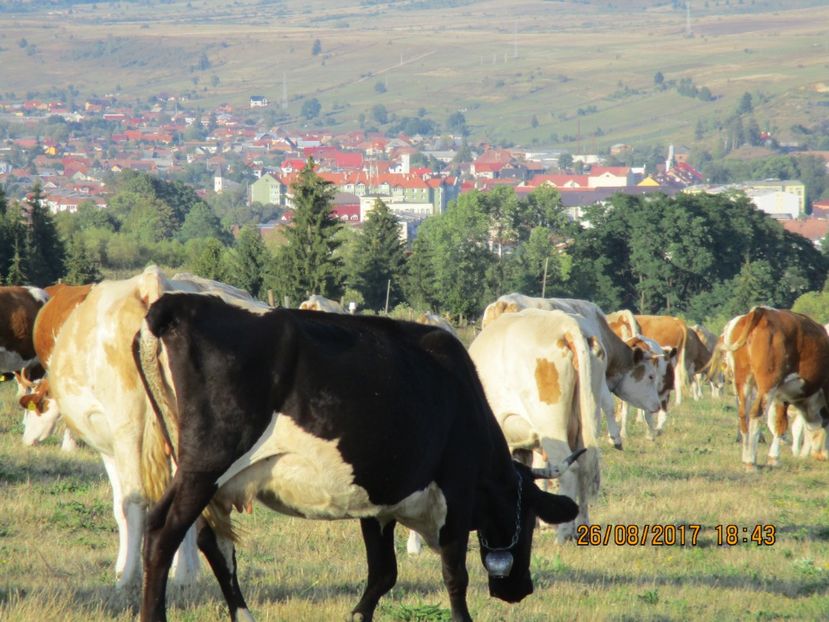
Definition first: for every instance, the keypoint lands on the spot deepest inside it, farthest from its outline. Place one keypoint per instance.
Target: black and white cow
(332, 416)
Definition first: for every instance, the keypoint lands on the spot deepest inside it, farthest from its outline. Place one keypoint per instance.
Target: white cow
(631, 373)
(543, 374)
(99, 394)
(321, 303)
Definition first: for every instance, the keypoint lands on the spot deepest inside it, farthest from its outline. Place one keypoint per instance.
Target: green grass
(545, 59)
(58, 543)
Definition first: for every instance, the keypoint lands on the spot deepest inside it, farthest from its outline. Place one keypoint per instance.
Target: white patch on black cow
(297, 473)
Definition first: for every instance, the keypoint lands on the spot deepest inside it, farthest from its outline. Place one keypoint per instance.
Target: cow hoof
(773, 463)
(750, 468)
(618, 446)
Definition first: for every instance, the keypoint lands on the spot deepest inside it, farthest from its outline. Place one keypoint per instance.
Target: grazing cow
(331, 416)
(707, 341)
(543, 374)
(321, 303)
(41, 412)
(630, 372)
(672, 332)
(780, 359)
(94, 382)
(18, 309)
(664, 360)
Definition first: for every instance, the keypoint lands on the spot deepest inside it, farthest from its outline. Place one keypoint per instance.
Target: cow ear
(671, 354)
(552, 508)
(161, 317)
(31, 402)
(638, 355)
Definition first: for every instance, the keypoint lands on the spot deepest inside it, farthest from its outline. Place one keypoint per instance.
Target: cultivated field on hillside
(58, 543)
(521, 75)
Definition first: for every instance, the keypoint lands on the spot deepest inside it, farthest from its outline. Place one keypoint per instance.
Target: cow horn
(498, 564)
(560, 468)
(24, 379)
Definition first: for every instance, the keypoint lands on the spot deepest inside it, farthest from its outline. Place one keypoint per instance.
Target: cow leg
(167, 524)
(799, 448)
(652, 431)
(624, 409)
(185, 568)
(696, 388)
(221, 556)
(68, 443)
(455, 577)
(129, 517)
(382, 566)
(569, 486)
(415, 543)
(661, 418)
(778, 424)
(751, 439)
(608, 407)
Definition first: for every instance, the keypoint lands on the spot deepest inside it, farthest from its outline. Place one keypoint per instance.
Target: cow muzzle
(498, 564)
(559, 469)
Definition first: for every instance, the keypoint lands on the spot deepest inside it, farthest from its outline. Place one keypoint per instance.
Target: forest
(704, 257)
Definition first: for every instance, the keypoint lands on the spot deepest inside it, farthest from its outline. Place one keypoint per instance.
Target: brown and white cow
(631, 374)
(41, 412)
(780, 359)
(673, 332)
(18, 309)
(703, 375)
(624, 324)
(543, 375)
(95, 384)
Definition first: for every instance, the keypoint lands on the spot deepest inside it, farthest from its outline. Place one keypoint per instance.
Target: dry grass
(544, 59)
(58, 544)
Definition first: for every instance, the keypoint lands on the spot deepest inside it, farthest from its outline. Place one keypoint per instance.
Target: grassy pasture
(542, 59)
(58, 543)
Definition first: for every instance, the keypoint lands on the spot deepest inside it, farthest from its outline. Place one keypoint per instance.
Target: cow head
(41, 413)
(640, 384)
(506, 544)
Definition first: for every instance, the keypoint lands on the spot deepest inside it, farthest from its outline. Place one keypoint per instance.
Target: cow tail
(589, 471)
(712, 368)
(158, 445)
(753, 318)
(161, 432)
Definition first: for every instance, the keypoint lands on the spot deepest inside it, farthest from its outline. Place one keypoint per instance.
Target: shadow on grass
(14, 469)
(782, 587)
(114, 603)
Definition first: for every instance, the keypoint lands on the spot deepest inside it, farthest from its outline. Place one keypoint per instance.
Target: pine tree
(44, 250)
(80, 267)
(379, 259)
(307, 263)
(17, 271)
(248, 261)
(209, 263)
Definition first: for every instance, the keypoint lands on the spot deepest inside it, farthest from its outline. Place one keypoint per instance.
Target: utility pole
(544, 282)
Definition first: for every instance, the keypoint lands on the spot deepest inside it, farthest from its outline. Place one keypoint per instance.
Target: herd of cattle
(201, 399)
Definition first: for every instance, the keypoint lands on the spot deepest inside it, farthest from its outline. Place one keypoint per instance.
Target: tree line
(706, 257)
